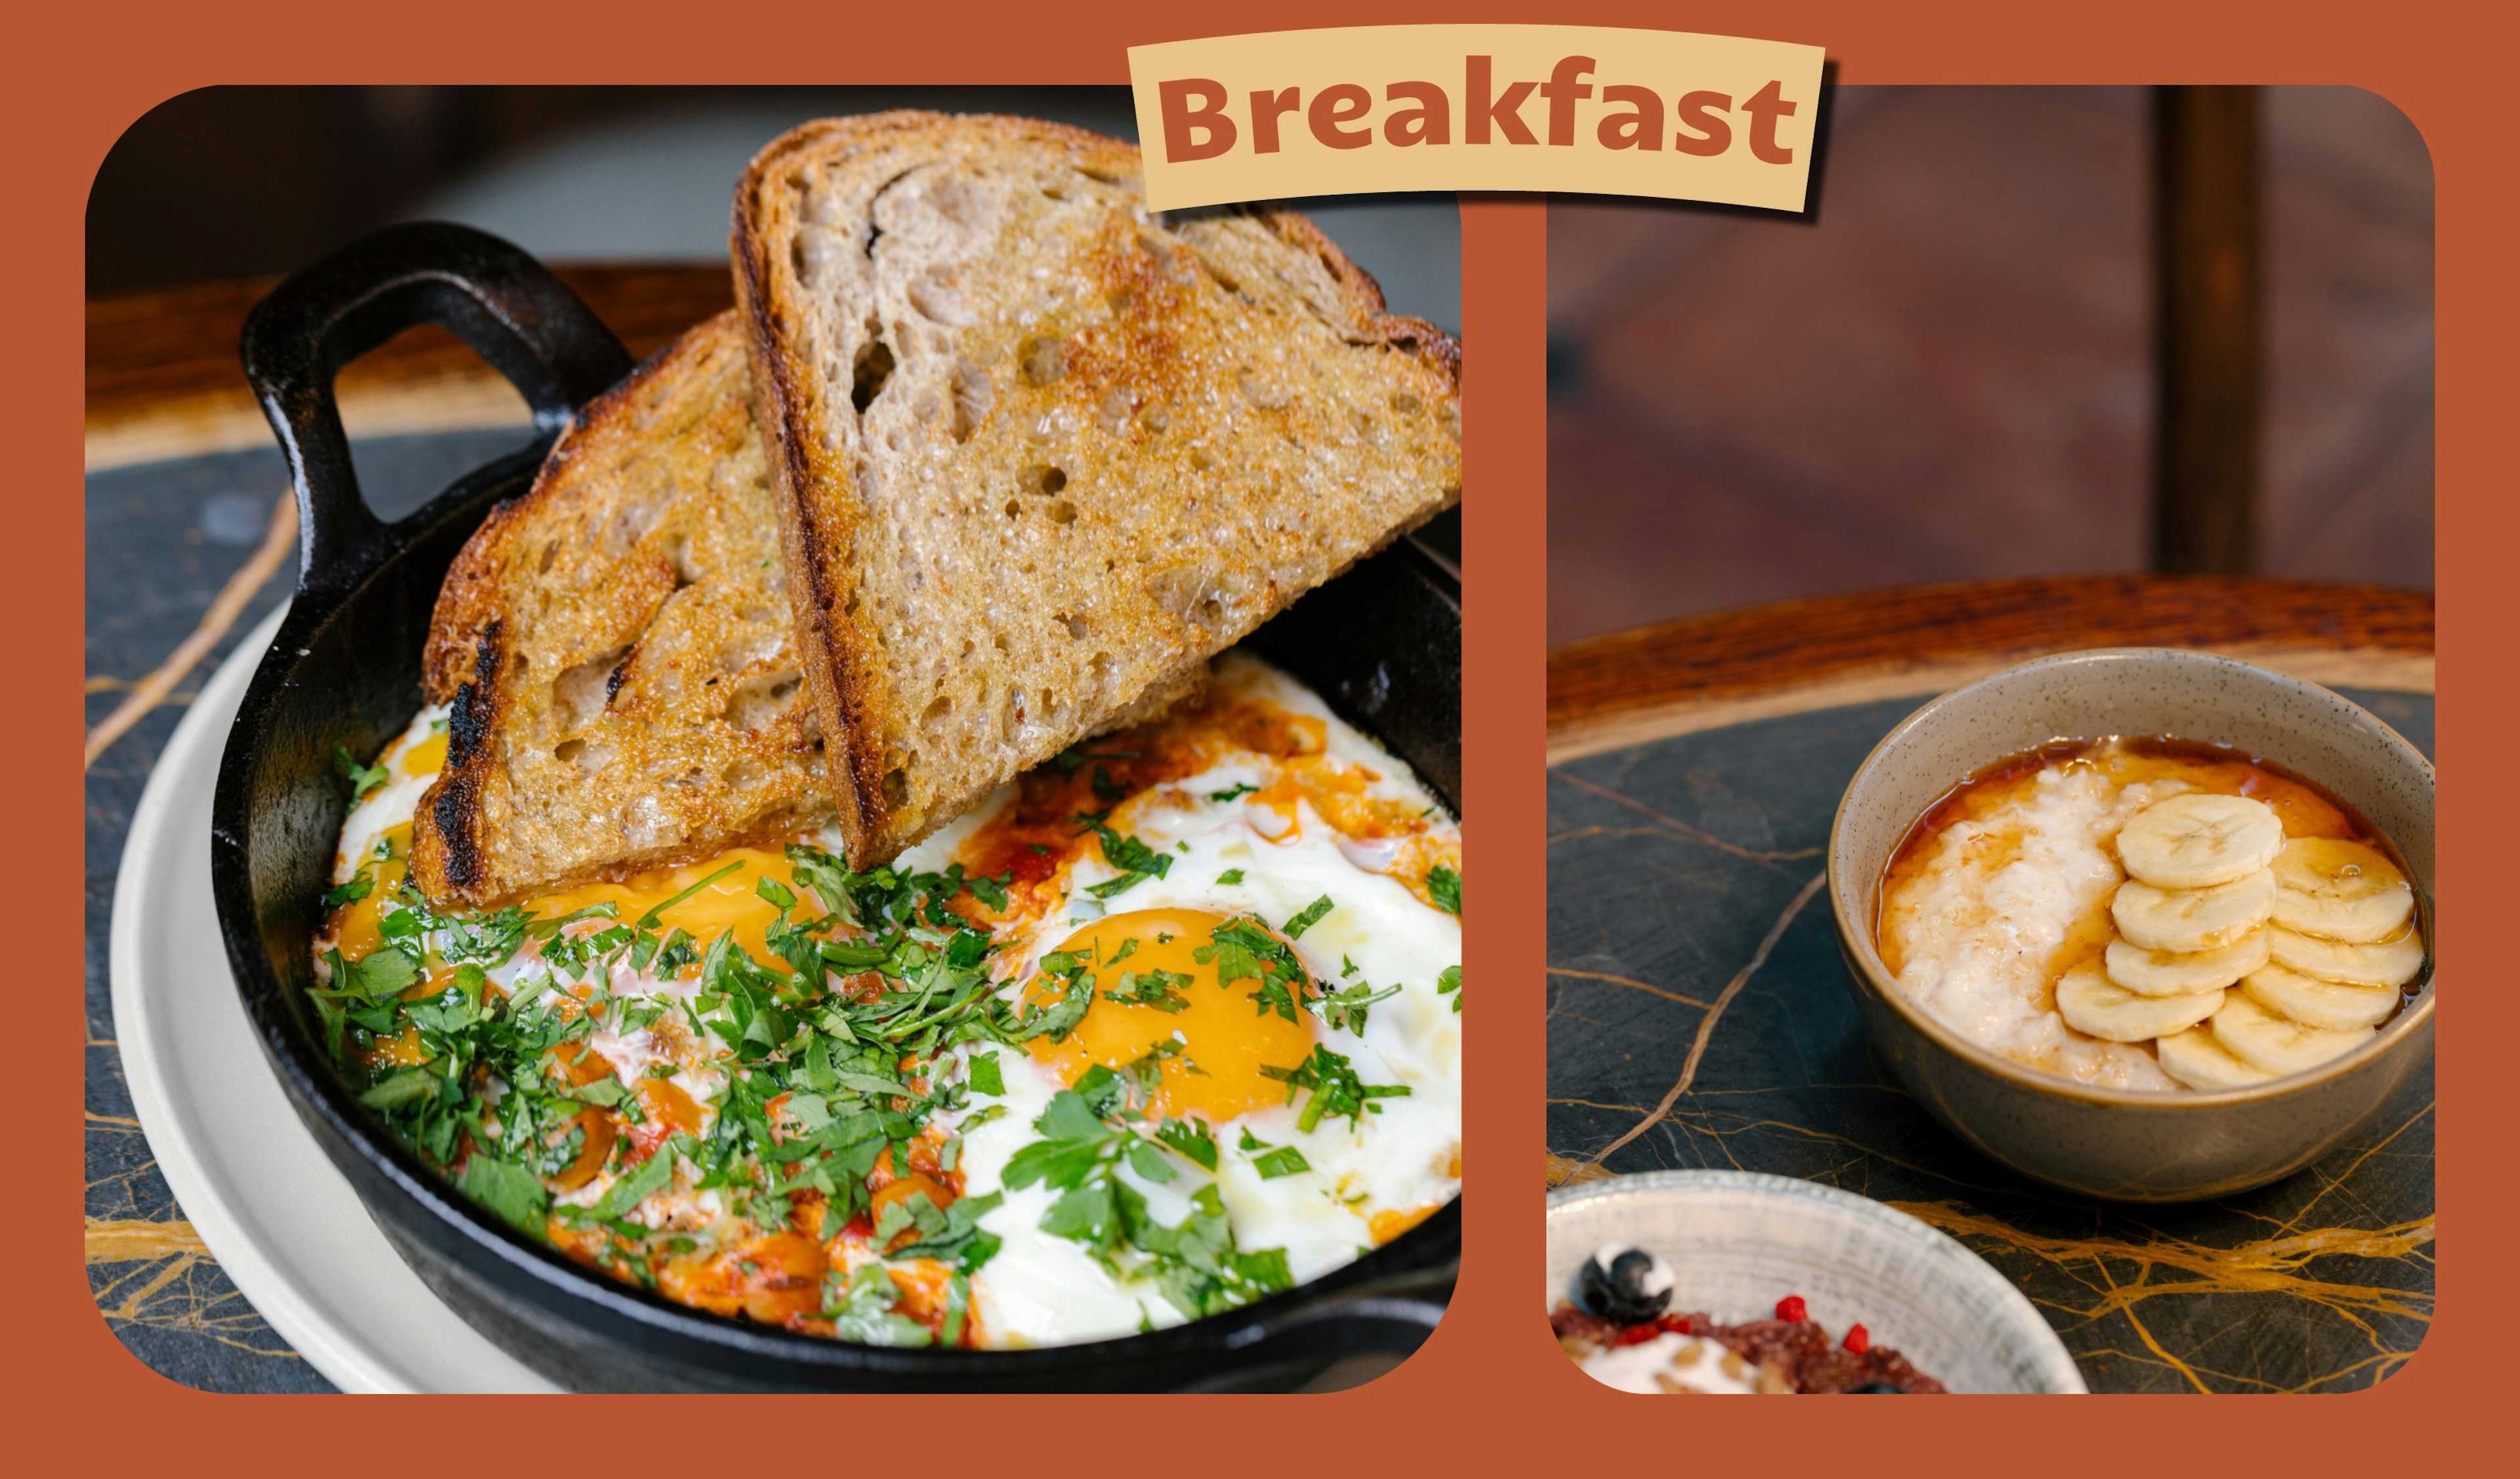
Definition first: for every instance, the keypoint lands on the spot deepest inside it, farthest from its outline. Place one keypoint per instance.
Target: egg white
(1041, 1289)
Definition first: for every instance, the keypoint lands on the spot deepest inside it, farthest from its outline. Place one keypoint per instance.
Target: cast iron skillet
(1381, 643)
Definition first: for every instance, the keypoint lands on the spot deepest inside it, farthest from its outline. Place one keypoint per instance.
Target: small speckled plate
(1738, 1241)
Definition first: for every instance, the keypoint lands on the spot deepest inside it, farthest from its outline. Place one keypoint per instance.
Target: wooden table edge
(1762, 663)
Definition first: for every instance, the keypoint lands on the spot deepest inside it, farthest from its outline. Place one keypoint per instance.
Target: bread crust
(611, 646)
(825, 524)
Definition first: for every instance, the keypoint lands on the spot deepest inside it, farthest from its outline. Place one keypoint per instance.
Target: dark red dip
(1798, 1349)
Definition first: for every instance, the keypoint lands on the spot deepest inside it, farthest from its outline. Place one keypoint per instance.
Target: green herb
(1057, 1020)
(385, 973)
(1196, 1263)
(363, 779)
(506, 1188)
(645, 1180)
(1336, 1091)
(1243, 950)
(351, 893)
(1191, 1139)
(1283, 1160)
(1311, 915)
(1347, 1010)
(955, 1237)
(1445, 887)
(1229, 877)
(860, 1309)
(1135, 861)
(401, 1089)
(991, 892)
(1450, 984)
(653, 918)
(1159, 989)
(985, 1078)
(1230, 792)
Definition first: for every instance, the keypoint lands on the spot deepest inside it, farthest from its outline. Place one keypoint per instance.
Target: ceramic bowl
(2126, 1144)
(1738, 1241)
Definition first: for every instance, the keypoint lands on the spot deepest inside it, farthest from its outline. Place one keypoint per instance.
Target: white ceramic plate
(1738, 1241)
(280, 1220)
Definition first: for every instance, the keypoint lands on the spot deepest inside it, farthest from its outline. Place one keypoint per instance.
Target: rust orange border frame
(1488, 1390)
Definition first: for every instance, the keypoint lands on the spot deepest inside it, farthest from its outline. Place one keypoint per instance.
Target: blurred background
(1947, 370)
(230, 182)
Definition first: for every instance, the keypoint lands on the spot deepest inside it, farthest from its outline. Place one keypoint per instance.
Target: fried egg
(1157, 872)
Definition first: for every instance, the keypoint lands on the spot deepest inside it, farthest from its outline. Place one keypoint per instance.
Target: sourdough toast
(1040, 452)
(618, 650)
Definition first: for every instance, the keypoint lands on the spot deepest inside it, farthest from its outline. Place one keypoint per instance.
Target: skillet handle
(490, 294)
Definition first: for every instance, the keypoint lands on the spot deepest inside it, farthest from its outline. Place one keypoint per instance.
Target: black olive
(1627, 1284)
(1874, 1386)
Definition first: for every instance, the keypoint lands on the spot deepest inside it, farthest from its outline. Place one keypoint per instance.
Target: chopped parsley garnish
(1243, 950)
(1087, 1134)
(1159, 989)
(1450, 984)
(1336, 1092)
(1445, 887)
(363, 779)
(1229, 877)
(1135, 861)
(1347, 1010)
(351, 893)
(1190, 1139)
(1273, 1161)
(1072, 975)
(824, 1066)
(860, 1305)
(1230, 792)
(1309, 916)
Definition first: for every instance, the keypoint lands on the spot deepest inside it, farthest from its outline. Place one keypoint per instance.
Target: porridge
(2150, 915)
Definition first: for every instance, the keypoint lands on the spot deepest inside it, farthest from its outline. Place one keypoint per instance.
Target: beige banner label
(1564, 108)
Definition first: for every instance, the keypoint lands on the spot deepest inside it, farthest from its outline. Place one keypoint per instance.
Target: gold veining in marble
(1676, 827)
(2129, 1289)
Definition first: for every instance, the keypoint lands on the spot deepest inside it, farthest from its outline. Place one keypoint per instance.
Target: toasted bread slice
(619, 653)
(1039, 450)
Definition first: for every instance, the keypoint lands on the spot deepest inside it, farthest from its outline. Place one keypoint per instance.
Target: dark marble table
(161, 541)
(1699, 1016)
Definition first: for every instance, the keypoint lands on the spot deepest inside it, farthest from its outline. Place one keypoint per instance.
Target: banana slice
(2343, 890)
(2164, 973)
(2197, 839)
(2198, 1059)
(2090, 1003)
(2279, 1046)
(2192, 918)
(2320, 1004)
(2392, 963)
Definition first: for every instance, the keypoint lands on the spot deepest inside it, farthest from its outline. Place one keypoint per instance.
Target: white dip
(1672, 1363)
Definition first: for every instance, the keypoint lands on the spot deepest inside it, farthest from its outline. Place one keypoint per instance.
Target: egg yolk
(726, 902)
(1225, 1040)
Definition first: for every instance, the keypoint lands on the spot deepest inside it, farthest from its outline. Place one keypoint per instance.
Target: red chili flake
(1791, 1309)
(1677, 1324)
(1638, 1334)
(1858, 1339)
